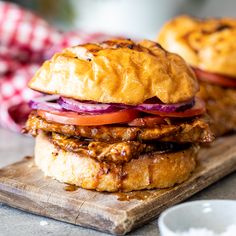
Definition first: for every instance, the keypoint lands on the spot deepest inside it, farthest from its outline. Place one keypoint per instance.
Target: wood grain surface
(23, 186)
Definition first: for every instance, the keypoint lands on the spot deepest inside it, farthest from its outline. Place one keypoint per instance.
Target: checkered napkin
(26, 41)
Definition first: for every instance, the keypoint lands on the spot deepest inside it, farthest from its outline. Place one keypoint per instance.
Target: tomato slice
(73, 118)
(147, 121)
(198, 109)
(222, 80)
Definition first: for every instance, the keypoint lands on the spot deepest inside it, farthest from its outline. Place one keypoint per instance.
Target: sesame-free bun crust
(117, 71)
(208, 44)
(146, 172)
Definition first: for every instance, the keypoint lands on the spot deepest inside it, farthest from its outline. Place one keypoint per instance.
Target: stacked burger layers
(121, 116)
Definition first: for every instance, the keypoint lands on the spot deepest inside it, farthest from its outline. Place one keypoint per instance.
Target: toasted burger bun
(146, 172)
(110, 72)
(207, 44)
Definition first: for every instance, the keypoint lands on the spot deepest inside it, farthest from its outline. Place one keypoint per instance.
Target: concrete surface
(13, 222)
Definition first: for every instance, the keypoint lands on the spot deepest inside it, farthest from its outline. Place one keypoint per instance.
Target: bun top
(117, 71)
(208, 44)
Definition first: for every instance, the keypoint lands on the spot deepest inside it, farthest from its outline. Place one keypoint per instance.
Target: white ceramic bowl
(215, 215)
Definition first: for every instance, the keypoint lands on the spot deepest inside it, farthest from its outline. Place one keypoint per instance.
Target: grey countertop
(14, 147)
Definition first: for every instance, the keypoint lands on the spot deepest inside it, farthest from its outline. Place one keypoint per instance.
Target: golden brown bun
(146, 172)
(207, 44)
(117, 71)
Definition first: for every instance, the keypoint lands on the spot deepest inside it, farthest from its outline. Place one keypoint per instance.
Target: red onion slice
(78, 106)
(166, 107)
(45, 103)
(94, 108)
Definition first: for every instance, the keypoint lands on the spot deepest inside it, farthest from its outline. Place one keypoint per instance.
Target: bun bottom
(147, 172)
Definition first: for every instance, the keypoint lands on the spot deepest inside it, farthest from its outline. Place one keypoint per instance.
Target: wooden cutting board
(23, 186)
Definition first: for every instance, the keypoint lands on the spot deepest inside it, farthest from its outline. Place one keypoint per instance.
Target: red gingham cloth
(26, 41)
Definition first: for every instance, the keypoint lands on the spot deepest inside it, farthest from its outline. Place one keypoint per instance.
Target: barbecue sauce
(134, 195)
(70, 188)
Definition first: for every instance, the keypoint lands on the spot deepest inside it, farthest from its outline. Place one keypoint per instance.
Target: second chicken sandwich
(208, 45)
